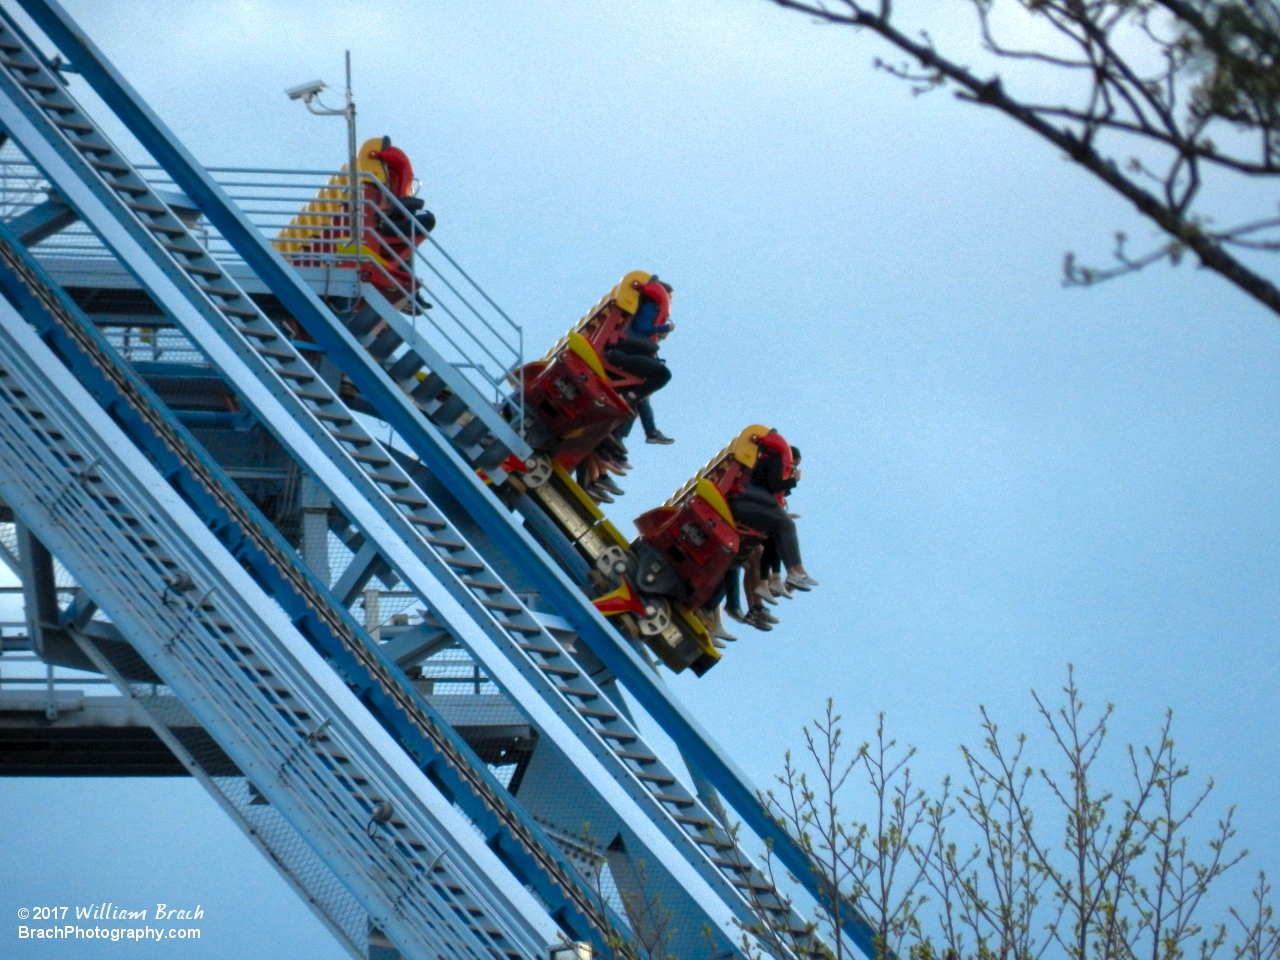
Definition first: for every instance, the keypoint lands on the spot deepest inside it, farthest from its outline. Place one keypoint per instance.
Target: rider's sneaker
(616, 467)
(606, 482)
(720, 633)
(765, 594)
(800, 581)
(658, 437)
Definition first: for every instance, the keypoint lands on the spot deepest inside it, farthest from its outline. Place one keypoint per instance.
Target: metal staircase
(245, 672)
(325, 723)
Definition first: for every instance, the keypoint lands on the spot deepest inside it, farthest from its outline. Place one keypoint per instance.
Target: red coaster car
(684, 551)
(320, 235)
(570, 402)
(573, 395)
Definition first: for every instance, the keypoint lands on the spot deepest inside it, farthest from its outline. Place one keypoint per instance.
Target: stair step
(356, 439)
(265, 336)
(736, 865)
(168, 228)
(384, 344)
(213, 291)
(363, 322)
(700, 822)
(567, 673)
(452, 545)
(463, 564)
(338, 418)
(50, 105)
(503, 605)
(84, 146)
(712, 842)
(405, 367)
(110, 166)
(428, 389)
(181, 248)
(429, 522)
(416, 503)
(472, 433)
(283, 355)
(146, 207)
(552, 652)
(131, 188)
(677, 801)
(579, 694)
(605, 715)
(749, 885)
(390, 481)
(644, 758)
(450, 410)
(524, 628)
(618, 735)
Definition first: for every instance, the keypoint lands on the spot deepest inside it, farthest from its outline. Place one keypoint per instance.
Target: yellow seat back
(325, 212)
(743, 449)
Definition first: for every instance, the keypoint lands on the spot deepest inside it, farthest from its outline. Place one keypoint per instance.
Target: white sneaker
(765, 594)
(801, 581)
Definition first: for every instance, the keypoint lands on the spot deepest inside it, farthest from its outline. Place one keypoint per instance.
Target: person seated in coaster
(757, 506)
(772, 584)
(637, 354)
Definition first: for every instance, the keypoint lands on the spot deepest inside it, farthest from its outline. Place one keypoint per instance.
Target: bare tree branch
(1217, 64)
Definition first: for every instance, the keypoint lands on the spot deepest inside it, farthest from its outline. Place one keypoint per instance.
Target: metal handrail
(466, 323)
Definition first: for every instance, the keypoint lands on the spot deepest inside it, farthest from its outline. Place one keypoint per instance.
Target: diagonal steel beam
(43, 220)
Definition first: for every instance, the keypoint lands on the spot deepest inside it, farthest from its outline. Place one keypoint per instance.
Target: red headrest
(399, 170)
(778, 444)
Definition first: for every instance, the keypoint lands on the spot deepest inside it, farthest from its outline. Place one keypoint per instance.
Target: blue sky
(1002, 476)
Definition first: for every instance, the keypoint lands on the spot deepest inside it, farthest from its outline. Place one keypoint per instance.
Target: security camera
(305, 91)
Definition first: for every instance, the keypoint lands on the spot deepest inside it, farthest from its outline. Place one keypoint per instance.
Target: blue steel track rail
(519, 842)
(438, 455)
